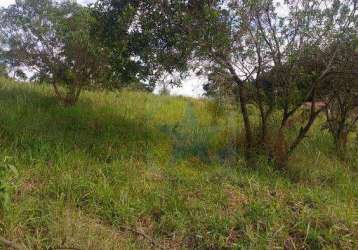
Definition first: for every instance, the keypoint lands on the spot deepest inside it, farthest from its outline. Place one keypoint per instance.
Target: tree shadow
(35, 126)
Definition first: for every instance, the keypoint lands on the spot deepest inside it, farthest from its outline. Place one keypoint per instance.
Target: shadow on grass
(35, 126)
(18, 93)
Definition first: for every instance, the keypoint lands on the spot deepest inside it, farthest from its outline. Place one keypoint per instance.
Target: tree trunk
(263, 130)
(72, 96)
(247, 124)
(340, 142)
(264, 124)
(57, 91)
(280, 154)
(244, 112)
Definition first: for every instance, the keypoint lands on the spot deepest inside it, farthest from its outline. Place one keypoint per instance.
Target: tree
(281, 62)
(53, 40)
(341, 114)
(141, 38)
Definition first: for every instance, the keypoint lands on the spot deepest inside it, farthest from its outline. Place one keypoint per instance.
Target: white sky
(6, 2)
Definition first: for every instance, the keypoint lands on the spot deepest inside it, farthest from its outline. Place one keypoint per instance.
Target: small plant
(5, 168)
(4, 196)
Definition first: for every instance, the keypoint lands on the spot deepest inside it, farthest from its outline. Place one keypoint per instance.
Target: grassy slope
(162, 165)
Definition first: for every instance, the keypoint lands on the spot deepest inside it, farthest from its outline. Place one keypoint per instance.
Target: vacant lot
(131, 170)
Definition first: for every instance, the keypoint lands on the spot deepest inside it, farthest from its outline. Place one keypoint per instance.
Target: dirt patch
(236, 199)
(76, 230)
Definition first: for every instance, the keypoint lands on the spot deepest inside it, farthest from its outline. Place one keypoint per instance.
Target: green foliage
(143, 39)
(342, 116)
(272, 60)
(53, 40)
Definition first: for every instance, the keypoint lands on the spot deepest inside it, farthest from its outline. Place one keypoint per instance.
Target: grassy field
(130, 170)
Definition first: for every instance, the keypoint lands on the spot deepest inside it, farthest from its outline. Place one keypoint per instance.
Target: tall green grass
(92, 175)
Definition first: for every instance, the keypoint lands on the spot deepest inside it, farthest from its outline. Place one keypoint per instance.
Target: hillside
(130, 170)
